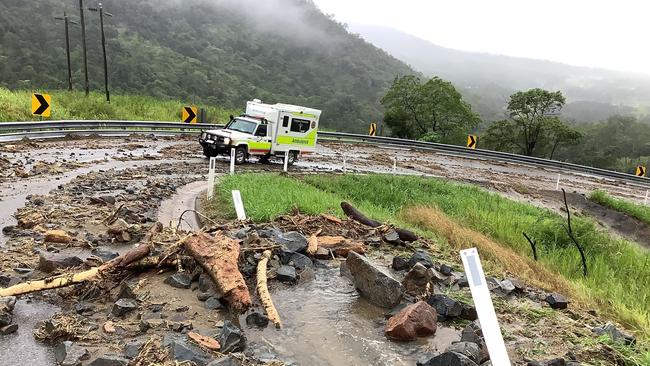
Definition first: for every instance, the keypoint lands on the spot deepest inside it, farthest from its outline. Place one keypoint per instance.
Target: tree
(532, 121)
(561, 134)
(434, 108)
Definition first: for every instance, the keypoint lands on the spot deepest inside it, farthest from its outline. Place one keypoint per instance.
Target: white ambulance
(265, 130)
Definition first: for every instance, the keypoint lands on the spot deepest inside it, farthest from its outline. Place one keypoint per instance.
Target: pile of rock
(7, 305)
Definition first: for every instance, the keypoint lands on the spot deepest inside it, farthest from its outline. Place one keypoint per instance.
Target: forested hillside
(220, 52)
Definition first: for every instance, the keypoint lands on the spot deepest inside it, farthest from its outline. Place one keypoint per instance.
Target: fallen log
(263, 290)
(218, 256)
(340, 246)
(122, 261)
(356, 215)
(312, 244)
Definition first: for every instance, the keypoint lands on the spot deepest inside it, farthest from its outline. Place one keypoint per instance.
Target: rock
(127, 290)
(5, 280)
(553, 362)
(23, 270)
(205, 342)
(104, 255)
(416, 280)
(84, 308)
(257, 320)
(399, 264)
(57, 236)
(300, 261)
(179, 280)
(421, 256)
(123, 306)
(469, 312)
(212, 303)
(120, 231)
(469, 349)
(436, 276)
(506, 286)
(446, 269)
(8, 329)
(226, 361)
(204, 296)
(374, 284)
(8, 229)
(292, 241)
(109, 327)
(615, 334)
(205, 283)
(344, 271)
(557, 301)
(417, 320)
(184, 351)
(110, 360)
(472, 333)
(50, 262)
(394, 311)
(132, 348)
(446, 306)
(391, 236)
(7, 303)
(286, 274)
(5, 318)
(69, 354)
(447, 359)
(108, 199)
(231, 338)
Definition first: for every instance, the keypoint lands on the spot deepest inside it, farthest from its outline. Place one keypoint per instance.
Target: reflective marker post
(394, 165)
(557, 185)
(232, 161)
(239, 205)
(645, 202)
(484, 307)
(286, 161)
(345, 165)
(213, 166)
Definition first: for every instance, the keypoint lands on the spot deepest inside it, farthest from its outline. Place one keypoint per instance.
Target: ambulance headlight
(226, 141)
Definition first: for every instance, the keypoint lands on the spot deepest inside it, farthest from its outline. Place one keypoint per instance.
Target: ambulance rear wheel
(240, 155)
(293, 156)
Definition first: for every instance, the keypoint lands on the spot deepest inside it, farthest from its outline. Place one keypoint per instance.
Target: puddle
(21, 348)
(326, 322)
(184, 199)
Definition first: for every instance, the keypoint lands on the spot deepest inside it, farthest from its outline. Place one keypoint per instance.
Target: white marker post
(286, 161)
(645, 201)
(345, 165)
(394, 165)
(239, 205)
(232, 161)
(213, 166)
(557, 185)
(484, 307)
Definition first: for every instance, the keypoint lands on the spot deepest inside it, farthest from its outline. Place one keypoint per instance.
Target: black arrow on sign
(641, 171)
(190, 115)
(472, 142)
(44, 104)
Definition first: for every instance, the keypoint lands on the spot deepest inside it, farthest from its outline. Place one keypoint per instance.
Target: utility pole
(83, 41)
(101, 24)
(67, 22)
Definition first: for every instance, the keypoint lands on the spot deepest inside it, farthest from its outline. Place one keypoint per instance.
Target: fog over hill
(487, 79)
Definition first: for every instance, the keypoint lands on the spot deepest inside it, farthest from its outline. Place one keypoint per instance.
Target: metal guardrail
(19, 130)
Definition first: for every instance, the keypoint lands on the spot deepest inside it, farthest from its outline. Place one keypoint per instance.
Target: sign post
(239, 205)
(211, 176)
(484, 307)
(286, 161)
(232, 161)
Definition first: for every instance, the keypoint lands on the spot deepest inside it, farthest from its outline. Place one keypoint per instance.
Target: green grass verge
(639, 212)
(618, 270)
(15, 106)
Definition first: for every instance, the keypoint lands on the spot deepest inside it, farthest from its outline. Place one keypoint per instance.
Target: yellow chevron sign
(472, 141)
(640, 171)
(373, 129)
(189, 115)
(41, 105)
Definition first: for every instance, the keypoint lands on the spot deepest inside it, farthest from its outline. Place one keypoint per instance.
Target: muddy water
(20, 348)
(326, 322)
(184, 199)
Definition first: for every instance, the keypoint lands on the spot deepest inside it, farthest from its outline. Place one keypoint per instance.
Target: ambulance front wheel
(241, 155)
(293, 156)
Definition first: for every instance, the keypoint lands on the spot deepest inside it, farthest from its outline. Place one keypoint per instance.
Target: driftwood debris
(356, 215)
(263, 290)
(120, 262)
(219, 257)
(339, 245)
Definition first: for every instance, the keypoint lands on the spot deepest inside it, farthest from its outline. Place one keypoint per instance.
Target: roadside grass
(461, 216)
(619, 271)
(639, 212)
(15, 106)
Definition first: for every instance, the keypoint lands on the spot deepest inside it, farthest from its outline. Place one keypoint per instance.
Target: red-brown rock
(417, 320)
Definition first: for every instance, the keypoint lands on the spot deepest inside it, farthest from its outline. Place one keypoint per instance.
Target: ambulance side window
(285, 121)
(261, 130)
(300, 125)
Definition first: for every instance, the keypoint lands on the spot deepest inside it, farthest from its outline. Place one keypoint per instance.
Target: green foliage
(431, 137)
(204, 53)
(16, 106)
(533, 125)
(639, 212)
(415, 109)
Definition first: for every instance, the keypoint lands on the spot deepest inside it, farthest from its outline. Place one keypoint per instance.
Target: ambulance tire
(293, 157)
(241, 155)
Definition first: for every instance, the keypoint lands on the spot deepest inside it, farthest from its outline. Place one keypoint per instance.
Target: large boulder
(446, 306)
(231, 338)
(50, 262)
(374, 284)
(557, 301)
(416, 320)
(469, 349)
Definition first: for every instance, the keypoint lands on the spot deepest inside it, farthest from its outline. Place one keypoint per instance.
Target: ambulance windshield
(241, 125)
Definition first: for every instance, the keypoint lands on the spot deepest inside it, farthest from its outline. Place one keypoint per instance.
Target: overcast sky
(607, 34)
